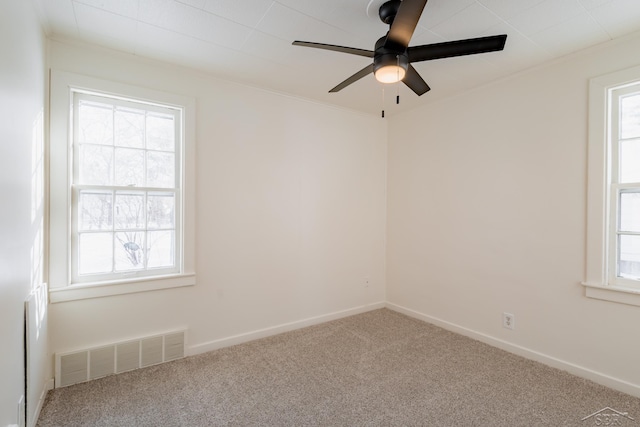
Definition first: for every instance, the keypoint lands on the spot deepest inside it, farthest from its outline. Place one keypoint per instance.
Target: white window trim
(596, 283)
(61, 103)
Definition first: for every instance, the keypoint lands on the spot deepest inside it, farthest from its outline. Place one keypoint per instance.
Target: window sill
(105, 289)
(628, 296)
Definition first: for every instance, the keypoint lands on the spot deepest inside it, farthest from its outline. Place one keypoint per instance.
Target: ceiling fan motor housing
(384, 56)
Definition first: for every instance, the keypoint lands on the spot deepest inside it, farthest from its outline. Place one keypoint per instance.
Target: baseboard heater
(92, 363)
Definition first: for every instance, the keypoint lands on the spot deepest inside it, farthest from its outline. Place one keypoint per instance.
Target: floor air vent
(79, 366)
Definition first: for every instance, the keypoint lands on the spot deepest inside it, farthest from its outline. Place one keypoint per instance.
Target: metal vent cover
(96, 362)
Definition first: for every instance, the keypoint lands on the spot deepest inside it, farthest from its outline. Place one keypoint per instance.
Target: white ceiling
(249, 41)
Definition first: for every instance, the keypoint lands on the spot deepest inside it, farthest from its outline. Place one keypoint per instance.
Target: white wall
(22, 94)
(290, 213)
(487, 214)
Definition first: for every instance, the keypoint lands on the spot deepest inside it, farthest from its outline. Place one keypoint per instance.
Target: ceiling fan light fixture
(390, 74)
(389, 67)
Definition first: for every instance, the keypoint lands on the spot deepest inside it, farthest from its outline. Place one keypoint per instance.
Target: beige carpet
(379, 368)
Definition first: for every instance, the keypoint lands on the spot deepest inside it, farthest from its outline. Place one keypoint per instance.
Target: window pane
(630, 161)
(129, 167)
(160, 169)
(129, 128)
(629, 263)
(95, 253)
(630, 116)
(630, 212)
(95, 210)
(95, 123)
(161, 208)
(129, 210)
(128, 251)
(95, 164)
(161, 249)
(160, 132)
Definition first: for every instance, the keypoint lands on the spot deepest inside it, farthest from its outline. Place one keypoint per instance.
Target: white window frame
(601, 280)
(63, 287)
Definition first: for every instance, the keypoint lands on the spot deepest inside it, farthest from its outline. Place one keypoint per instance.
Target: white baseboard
(48, 385)
(274, 330)
(580, 371)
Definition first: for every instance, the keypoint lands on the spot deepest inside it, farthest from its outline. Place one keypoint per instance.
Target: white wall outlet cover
(508, 320)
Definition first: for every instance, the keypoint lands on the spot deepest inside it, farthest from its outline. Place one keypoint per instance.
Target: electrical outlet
(366, 282)
(508, 321)
(21, 413)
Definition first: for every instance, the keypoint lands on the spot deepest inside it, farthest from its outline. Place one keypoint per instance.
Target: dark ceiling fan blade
(413, 80)
(404, 24)
(456, 48)
(357, 76)
(343, 49)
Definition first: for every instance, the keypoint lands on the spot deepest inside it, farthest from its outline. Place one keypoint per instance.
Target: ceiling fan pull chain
(398, 81)
(383, 101)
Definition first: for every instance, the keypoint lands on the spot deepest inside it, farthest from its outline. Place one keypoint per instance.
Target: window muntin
(624, 186)
(125, 189)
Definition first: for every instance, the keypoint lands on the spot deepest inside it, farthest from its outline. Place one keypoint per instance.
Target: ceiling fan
(392, 55)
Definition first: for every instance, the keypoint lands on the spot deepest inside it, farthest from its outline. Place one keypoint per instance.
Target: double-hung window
(126, 188)
(122, 189)
(624, 187)
(613, 209)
